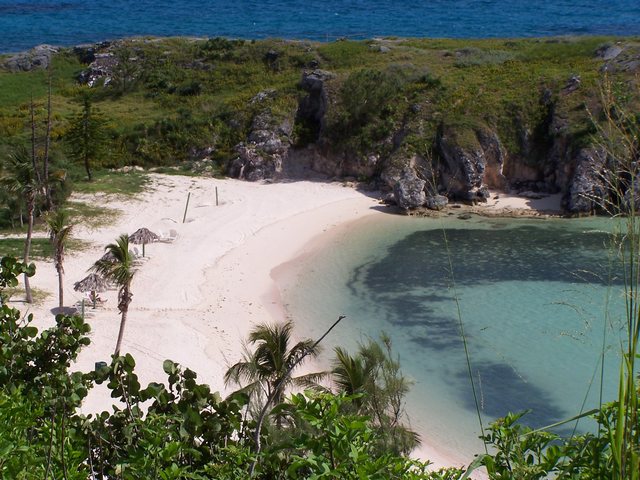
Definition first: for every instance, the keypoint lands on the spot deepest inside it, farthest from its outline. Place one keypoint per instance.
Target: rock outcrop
(313, 107)
(100, 70)
(470, 160)
(587, 189)
(409, 190)
(37, 58)
(267, 147)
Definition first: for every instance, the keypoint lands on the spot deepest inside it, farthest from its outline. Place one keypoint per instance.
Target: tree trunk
(60, 282)
(87, 167)
(47, 144)
(85, 127)
(123, 320)
(34, 162)
(31, 200)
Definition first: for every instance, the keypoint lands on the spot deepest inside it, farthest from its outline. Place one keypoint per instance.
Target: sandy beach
(196, 298)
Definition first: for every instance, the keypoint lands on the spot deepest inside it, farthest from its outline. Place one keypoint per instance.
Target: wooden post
(216, 196)
(184, 218)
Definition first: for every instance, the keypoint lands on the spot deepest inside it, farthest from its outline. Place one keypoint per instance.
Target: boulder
(437, 202)
(86, 53)
(409, 191)
(609, 52)
(37, 58)
(622, 58)
(395, 168)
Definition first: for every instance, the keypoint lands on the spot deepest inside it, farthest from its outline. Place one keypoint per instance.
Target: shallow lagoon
(537, 299)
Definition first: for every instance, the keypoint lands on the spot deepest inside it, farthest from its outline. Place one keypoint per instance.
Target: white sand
(505, 203)
(196, 298)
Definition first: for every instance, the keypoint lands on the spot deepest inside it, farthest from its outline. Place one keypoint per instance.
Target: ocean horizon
(26, 24)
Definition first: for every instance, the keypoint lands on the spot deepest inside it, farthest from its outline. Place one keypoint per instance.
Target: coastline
(196, 299)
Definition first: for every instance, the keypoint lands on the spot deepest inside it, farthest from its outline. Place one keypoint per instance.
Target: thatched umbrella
(143, 236)
(93, 283)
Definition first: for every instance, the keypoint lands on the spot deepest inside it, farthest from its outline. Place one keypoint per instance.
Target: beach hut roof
(91, 283)
(143, 235)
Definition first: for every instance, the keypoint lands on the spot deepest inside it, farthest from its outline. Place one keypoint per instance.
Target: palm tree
(118, 267)
(352, 375)
(20, 177)
(59, 233)
(265, 372)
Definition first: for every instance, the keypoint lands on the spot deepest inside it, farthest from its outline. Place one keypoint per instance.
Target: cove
(539, 301)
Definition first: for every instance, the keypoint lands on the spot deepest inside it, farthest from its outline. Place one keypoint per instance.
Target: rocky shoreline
(461, 163)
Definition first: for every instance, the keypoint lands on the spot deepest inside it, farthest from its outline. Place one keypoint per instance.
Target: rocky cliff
(555, 152)
(425, 121)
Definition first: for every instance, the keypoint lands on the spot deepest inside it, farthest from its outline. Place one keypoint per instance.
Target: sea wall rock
(37, 58)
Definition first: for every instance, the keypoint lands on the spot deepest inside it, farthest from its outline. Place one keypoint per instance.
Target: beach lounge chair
(163, 237)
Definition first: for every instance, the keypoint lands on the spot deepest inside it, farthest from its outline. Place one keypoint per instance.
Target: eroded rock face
(267, 147)
(394, 170)
(462, 173)
(587, 190)
(37, 58)
(409, 190)
(313, 107)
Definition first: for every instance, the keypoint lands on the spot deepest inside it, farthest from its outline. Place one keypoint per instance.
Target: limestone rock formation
(464, 166)
(588, 189)
(313, 107)
(267, 146)
(409, 190)
(436, 202)
(100, 70)
(37, 58)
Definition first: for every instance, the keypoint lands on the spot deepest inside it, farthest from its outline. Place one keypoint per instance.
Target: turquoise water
(25, 23)
(532, 296)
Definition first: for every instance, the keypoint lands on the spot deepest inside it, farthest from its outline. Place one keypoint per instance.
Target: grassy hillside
(173, 100)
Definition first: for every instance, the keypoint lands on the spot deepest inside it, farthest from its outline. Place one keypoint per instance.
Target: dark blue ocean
(24, 24)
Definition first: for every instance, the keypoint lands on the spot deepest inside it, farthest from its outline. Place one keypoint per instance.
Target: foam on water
(532, 296)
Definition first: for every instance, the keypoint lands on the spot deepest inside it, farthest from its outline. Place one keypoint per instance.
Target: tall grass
(619, 139)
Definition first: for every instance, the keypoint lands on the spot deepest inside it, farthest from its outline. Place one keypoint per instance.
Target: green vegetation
(171, 102)
(117, 183)
(40, 247)
(184, 431)
(171, 98)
